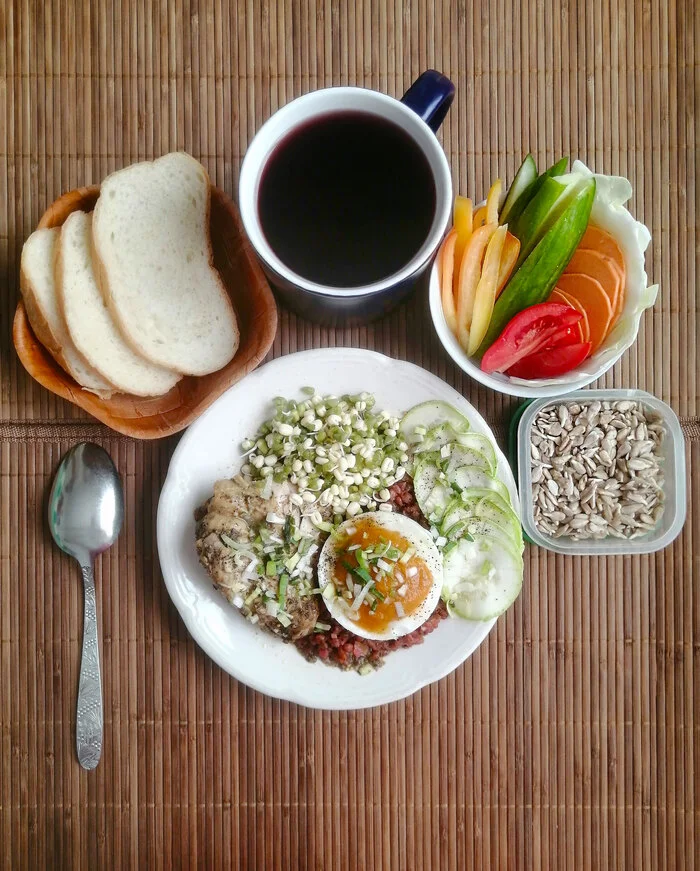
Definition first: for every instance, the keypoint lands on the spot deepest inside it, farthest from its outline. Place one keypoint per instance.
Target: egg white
(425, 548)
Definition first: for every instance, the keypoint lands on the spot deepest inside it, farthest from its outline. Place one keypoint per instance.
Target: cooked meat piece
(303, 611)
(236, 508)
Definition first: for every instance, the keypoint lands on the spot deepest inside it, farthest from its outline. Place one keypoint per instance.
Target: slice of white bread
(154, 264)
(89, 320)
(40, 301)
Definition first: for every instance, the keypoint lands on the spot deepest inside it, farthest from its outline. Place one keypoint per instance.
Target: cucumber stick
(541, 212)
(523, 201)
(534, 280)
(524, 179)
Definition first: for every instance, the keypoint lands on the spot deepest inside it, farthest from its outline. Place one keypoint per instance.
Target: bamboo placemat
(571, 739)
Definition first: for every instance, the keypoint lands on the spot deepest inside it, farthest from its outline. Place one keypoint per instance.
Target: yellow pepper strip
(469, 274)
(485, 296)
(509, 257)
(463, 225)
(479, 217)
(447, 265)
(493, 201)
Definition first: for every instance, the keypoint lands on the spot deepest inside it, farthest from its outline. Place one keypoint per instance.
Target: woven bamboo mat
(571, 739)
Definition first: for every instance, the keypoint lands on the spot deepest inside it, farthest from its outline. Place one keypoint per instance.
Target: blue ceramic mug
(419, 114)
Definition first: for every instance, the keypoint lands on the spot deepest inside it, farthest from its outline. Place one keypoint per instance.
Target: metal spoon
(86, 509)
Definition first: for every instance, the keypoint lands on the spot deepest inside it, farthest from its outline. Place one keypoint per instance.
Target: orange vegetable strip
(447, 264)
(469, 274)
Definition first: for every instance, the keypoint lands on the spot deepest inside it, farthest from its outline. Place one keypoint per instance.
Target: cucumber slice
(483, 519)
(433, 495)
(462, 456)
(481, 443)
(476, 494)
(425, 478)
(495, 511)
(468, 478)
(437, 437)
(478, 527)
(518, 192)
(436, 503)
(481, 578)
(428, 415)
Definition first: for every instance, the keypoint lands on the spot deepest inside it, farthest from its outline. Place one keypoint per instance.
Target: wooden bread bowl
(156, 417)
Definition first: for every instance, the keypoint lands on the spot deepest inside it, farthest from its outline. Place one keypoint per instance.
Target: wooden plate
(156, 417)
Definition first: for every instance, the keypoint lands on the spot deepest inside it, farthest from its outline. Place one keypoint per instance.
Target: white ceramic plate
(210, 450)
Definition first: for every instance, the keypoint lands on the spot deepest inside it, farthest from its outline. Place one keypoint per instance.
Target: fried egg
(381, 575)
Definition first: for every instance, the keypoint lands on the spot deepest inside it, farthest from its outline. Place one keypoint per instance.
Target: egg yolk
(370, 552)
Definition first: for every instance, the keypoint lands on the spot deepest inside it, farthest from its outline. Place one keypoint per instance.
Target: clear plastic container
(673, 464)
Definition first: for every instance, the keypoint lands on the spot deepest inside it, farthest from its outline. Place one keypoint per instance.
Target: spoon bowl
(86, 507)
(86, 510)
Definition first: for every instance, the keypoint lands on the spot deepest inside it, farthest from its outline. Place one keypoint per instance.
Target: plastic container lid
(673, 465)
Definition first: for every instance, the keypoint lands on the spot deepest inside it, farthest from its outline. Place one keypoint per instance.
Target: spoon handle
(89, 719)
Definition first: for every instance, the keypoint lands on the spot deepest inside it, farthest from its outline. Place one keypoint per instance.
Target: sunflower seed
(596, 469)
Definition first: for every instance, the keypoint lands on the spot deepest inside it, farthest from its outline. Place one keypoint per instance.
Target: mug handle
(430, 96)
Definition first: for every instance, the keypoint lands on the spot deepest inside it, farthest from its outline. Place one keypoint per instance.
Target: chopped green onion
(361, 557)
(291, 563)
(358, 571)
(271, 569)
(253, 596)
(282, 591)
(328, 592)
(407, 556)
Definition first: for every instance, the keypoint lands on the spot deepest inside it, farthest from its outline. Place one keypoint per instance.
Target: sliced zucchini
(438, 499)
(481, 578)
(479, 527)
(468, 477)
(479, 521)
(492, 507)
(481, 443)
(518, 192)
(425, 478)
(467, 457)
(437, 437)
(427, 415)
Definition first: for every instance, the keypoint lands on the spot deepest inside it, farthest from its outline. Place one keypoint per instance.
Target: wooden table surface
(571, 739)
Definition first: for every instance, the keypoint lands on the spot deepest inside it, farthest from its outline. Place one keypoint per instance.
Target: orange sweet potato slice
(590, 294)
(601, 267)
(595, 239)
(559, 296)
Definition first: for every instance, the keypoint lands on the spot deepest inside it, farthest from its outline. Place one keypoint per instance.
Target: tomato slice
(552, 362)
(569, 336)
(531, 330)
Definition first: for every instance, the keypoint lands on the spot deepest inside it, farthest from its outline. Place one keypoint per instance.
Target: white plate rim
(251, 678)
